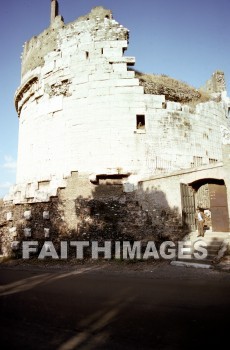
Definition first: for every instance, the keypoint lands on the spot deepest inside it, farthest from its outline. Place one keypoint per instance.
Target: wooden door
(219, 208)
(188, 207)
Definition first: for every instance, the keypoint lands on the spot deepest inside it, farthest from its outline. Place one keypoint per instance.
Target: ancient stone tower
(77, 100)
(83, 108)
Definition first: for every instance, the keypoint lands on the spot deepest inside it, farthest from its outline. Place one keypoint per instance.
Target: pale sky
(187, 40)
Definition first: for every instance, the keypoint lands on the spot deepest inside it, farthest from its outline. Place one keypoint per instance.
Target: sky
(185, 39)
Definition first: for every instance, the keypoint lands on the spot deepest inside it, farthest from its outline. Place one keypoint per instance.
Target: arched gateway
(211, 196)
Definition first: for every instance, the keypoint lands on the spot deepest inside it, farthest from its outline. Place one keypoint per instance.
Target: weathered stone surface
(27, 214)
(46, 215)
(27, 232)
(13, 231)
(216, 84)
(15, 245)
(79, 87)
(102, 211)
(9, 216)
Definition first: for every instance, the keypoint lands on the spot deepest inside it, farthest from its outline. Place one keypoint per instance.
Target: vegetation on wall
(174, 90)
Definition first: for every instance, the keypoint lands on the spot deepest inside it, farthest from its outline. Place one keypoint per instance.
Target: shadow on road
(32, 282)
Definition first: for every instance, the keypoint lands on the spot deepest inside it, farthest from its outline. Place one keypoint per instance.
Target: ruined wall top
(216, 84)
(99, 23)
(98, 12)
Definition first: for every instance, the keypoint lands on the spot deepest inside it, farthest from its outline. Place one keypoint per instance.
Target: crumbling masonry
(102, 149)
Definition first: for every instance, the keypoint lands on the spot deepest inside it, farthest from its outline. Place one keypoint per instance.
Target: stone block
(47, 232)
(102, 91)
(52, 55)
(55, 104)
(123, 74)
(125, 82)
(81, 79)
(100, 84)
(185, 109)
(128, 187)
(30, 190)
(119, 67)
(111, 44)
(174, 106)
(41, 196)
(48, 68)
(81, 92)
(99, 76)
(27, 232)
(112, 52)
(119, 43)
(86, 46)
(154, 98)
(155, 105)
(9, 216)
(46, 215)
(13, 231)
(19, 198)
(27, 214)
(126, 90)
(124, 59)
(15, 245)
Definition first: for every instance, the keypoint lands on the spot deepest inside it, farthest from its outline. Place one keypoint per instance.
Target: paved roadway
(100, 308)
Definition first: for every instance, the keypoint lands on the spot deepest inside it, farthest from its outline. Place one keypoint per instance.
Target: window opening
(140, 122)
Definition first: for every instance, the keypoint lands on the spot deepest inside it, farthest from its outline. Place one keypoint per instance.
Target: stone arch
(210, 194)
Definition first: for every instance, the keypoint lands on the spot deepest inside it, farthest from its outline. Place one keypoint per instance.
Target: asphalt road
(99, 308)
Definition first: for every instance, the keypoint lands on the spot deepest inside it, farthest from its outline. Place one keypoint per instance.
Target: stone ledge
(190, 264)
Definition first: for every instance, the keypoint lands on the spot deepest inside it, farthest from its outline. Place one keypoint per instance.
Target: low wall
(149, 211)
(85, 211)
(162, 193)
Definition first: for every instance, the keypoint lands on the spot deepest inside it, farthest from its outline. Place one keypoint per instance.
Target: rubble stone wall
(149, 211)
(84, 211)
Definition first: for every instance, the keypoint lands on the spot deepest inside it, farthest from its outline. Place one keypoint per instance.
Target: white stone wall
(169, 186)
(78, 112)
(180, 137)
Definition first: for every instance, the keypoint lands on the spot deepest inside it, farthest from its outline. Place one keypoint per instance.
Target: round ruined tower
(69, 102)
(82, 109)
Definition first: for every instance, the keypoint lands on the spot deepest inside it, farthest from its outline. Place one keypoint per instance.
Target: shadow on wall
(166, 221)
(108, 214)
(140, 215)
